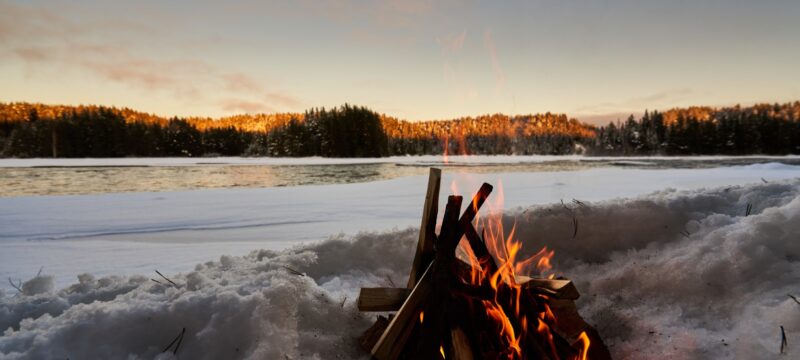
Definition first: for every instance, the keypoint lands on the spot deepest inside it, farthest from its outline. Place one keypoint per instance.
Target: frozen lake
(21, 177)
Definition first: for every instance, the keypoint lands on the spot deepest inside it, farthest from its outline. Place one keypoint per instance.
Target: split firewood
(570, 325)
(371, 336)
(427, 229)
(435, 329)
(382, 299)
(556, 288)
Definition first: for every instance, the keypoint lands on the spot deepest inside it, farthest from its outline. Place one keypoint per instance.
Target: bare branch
(18, 286)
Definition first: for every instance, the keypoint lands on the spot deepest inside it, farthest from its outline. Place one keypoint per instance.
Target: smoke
(675, 274)
(497, 69)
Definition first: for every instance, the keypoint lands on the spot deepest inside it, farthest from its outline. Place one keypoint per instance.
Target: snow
(406, 160)
(666, 261)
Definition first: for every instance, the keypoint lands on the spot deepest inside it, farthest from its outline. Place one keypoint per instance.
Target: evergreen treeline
(36, 130)
(347, 131)
(102, 132)
(490, 134)
(770, 129)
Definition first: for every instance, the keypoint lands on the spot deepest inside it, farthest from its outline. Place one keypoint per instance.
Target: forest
(37, 130)
(768, 129)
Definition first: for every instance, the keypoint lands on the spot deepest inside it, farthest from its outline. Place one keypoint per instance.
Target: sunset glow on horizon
(416, 60)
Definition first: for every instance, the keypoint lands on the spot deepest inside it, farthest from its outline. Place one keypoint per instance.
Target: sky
(415, 59)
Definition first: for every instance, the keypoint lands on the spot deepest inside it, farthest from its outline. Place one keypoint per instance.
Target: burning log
(474, 308)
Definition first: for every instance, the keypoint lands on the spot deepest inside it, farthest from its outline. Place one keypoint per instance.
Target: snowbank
(675, 274)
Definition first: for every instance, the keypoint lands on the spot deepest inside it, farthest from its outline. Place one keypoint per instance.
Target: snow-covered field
(676, 270)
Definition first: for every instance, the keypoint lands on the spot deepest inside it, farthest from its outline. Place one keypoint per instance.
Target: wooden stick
(393, 340)
(434, 332)
(382, 299)
(427, 229)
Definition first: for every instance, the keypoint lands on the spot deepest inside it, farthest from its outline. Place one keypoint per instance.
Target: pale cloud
(373, 22)
(238, 106)
(43, 39)
(604, 119)
(637, 104)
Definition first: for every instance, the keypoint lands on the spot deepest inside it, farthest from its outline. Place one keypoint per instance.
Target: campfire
(469, 297)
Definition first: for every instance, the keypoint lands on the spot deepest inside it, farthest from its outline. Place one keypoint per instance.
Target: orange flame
(461, 143)
(510, 318)
(584, 340)
(446, 147)
(421, 316)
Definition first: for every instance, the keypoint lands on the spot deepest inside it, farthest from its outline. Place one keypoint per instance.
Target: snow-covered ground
(676, 271)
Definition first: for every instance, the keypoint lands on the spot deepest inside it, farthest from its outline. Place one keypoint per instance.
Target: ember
(467, 297)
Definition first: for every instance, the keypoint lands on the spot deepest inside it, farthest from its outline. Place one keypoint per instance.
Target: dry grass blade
(574, 227)
(293, 271)
(579, 203)
(794, 298)
(179, 340)
(784, 343)
(165, 278)
(158, 282)
(748, 210)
